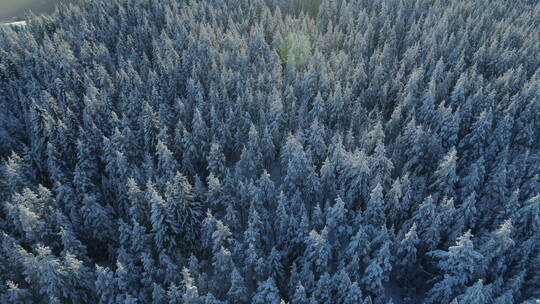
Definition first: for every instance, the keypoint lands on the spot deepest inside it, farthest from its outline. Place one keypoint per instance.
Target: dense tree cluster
(204, 151)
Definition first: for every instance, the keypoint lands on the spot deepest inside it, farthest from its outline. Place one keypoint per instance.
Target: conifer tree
(300, 296)
(374, 213)
(459, 265)
(446, 176)
(267, 292)
(475, 294)
(406, 252)
(237, 293)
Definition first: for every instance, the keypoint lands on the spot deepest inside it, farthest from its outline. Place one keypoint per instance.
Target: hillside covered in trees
(267, 152)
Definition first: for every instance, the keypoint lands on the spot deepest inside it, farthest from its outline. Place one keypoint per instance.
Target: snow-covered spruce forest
(334, 151)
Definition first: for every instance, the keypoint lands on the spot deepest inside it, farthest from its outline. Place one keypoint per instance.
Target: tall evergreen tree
(459, 265)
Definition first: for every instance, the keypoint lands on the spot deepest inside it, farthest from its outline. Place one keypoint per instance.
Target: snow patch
(17, 23)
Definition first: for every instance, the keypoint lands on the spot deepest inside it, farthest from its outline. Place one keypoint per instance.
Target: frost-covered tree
(446, 177)
(238, 292)
(459, 265)
(267, 292)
